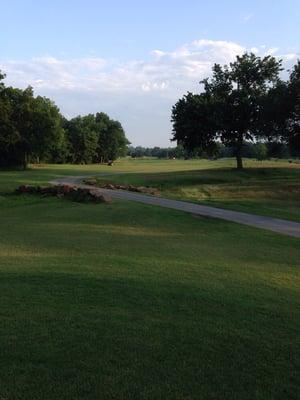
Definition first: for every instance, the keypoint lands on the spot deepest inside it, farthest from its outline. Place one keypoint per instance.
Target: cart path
(282, 226)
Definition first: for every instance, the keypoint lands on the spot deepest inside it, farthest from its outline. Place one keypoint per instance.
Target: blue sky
(133, 59)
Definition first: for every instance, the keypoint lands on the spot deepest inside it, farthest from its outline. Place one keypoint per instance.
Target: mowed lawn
(129, 301)
(269, 188)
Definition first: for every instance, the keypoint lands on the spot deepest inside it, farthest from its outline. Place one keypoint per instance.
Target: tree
(29, 126)
(281, 112)
(293, 120)
(194, 122)
(95, 138)
(229, 110)
(112, 140)
(9, 135)
(260, 151)
(32, 129)
(83, 139)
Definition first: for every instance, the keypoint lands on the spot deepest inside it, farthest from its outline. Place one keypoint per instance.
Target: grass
(129, 301)
(268, 188)
(43, 173)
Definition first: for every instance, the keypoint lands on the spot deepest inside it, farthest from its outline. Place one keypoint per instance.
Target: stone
(91, 181)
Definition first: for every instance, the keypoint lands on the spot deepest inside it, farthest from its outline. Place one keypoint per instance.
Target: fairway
(270, 188)
(129, 301)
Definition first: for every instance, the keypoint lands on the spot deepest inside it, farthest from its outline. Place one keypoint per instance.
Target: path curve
(282, 226)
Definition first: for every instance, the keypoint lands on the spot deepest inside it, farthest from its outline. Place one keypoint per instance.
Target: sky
(135, 59)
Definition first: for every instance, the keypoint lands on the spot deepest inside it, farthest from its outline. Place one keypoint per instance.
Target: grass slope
(128, 301)
(268, 188)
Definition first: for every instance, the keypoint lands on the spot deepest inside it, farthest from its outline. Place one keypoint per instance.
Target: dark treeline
(258, 151)
(158, 152)
(33, 130)
(246, 101)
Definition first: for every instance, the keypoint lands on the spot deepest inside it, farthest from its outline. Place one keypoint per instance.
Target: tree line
(246, 101)
(259, 151)
(32, 129)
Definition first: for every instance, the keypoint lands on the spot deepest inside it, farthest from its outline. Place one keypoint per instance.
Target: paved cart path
(272, 224)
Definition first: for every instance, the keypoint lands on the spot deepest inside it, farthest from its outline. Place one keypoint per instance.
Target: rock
(100, 197)
(104, 198)
(67, 188)
(142, 189)
(91, 181)
(27, 189)
(132, 188)
(110, 186)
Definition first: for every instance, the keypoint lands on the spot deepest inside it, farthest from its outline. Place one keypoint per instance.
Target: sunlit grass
(129, 301)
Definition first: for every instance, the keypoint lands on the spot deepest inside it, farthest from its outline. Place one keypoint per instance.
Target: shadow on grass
(69, 336)
(209, 176)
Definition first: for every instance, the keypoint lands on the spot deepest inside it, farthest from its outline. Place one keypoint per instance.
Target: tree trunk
(239, 150)
(239, 161)
(25, 161)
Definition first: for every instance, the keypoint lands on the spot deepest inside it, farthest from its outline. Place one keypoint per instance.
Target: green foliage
(194, 122)
(230, 109)
(95, 138)
(260, 151)
(33, 130)
(29, 126)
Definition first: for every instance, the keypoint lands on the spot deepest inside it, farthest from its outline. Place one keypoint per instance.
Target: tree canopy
(95, 138)
(33, 129)
(237, 104)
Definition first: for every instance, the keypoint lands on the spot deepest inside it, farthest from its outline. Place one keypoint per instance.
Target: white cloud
(140, 93)
(247, 17)
(168, 72)
(272, 51)
(291, 57)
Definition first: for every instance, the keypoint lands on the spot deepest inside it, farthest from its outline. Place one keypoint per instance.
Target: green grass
(129, 301)
(43, 173)
(268, 188)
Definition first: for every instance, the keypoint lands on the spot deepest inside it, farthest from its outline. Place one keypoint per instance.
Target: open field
(269, 188)
(128, 301)
(265, 188)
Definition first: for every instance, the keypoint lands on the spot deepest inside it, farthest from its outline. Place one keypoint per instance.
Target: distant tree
(83, 139)
(230, 107)
(260, 151)
(95, 138)
(112, 142)
(277, 149)
(179, 151)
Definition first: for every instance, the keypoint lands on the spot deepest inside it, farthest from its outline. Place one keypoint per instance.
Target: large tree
(281, 112)
(32, 129)
(230, 108)
(29, 126)
(293, 120)
(9, 135)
